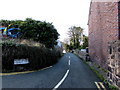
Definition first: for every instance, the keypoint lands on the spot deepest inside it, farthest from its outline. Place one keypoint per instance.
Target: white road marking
(61, 80)
(69, 62)
(69, 56)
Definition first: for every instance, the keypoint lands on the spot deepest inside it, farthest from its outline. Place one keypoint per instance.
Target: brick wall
(0, 58)
(103, 28)
(114, 63)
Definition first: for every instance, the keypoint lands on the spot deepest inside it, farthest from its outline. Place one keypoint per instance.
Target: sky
(62, 13)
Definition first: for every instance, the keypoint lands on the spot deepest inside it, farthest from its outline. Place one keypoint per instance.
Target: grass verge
(111, 87)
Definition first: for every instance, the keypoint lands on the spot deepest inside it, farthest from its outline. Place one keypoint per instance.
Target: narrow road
(69, 72)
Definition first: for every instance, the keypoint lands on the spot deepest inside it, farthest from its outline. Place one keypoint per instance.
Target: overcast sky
(63, 13)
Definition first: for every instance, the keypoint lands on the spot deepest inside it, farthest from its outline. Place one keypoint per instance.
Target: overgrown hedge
(39, 57)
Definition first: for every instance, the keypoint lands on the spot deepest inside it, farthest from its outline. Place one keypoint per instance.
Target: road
(69, 72)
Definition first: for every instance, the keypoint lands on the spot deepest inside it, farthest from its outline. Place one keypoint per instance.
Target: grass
(111, 87)
(97, 73)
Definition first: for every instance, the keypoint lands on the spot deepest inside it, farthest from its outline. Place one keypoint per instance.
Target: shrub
(39, 57)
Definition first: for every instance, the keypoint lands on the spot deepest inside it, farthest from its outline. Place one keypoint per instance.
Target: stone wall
(81, 54)
(114, 63)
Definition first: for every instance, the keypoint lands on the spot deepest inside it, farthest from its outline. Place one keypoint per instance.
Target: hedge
(39, 57)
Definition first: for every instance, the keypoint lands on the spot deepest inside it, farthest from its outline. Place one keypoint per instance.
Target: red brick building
(104, 26)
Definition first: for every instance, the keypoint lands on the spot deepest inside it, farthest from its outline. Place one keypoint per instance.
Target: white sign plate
(21, 61)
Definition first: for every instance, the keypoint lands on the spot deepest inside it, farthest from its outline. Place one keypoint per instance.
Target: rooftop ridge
(105, 0)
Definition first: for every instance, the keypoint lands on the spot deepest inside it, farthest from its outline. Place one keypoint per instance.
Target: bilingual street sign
(20, 61)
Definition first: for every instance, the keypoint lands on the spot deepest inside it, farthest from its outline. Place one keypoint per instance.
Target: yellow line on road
(3, 74)
(45, 68)
(97, 85)
(102, 85)
(15, 73)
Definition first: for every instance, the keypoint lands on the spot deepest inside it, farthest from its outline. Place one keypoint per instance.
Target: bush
(39, 57)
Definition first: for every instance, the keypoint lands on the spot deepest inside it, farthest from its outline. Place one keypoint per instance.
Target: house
(104, 37)
(59, 46)
(104, 27)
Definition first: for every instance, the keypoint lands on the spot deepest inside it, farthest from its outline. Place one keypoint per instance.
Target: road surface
(69, 72)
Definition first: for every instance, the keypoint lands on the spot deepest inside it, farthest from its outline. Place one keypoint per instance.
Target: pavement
(69, 72)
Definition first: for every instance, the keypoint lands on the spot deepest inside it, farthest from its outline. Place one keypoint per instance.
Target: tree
(85, 42)
(75, 34)
(43, 32)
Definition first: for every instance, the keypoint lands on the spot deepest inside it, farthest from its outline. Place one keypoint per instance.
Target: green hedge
(39, 57)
